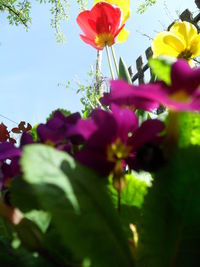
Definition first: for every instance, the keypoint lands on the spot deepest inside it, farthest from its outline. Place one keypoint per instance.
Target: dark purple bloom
(9, 171)
(8, 151)
(60, 129)
(81, 131)
(53, 132)
(26, 139)
(182, 95)
(116, 139)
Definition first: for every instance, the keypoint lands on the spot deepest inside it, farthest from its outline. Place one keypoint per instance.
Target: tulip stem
(109, 63)
(115, 60)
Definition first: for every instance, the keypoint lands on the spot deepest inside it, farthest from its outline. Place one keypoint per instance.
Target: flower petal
(123, 36)
(89, 41)
(184, 77)
(185, 31)
(81, 131)
(148, 131)
(123, 4)
(8, 151)
(123, 94)
(195, 46)
(107, 128)
(127, 122)
(166, 44)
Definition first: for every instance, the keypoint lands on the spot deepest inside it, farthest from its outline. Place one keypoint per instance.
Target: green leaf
(40, 218)
(19, 257)
(133, 192)
(189, 124)
(169, 228)
(129, 215)
(123, 71)
(132, 197)
(161, 67)
(76, 198)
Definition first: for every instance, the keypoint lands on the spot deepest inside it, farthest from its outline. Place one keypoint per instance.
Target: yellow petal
(174, 41)
(123, 36)
(123, 4)
(195, 46)
(186, 31)
(166, 44)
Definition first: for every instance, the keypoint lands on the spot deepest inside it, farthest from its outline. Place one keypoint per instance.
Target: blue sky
(35, 68)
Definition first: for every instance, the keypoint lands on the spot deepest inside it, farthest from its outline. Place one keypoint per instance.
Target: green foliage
(131, 200)
(42, 219)
(19, 257)
(189, 124)
(76, 199)
(19, 13)
(133, 192)
(33, 132)
(145, 5)
(89, 94)
(169, 232)
(123, 71)
(161, 67)
(82, 4)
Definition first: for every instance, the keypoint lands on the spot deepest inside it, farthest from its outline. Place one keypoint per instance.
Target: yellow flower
(125, 7)
(181, 41)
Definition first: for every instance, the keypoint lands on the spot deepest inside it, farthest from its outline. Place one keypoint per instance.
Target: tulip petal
(89, 41)
(84, 21)
(123, 36)
(123, 4)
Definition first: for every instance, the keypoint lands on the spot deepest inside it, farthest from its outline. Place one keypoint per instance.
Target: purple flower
(116, 140)
(60, 129)
(8, 151)
(127, 95)
(182, 95)
(8, 171)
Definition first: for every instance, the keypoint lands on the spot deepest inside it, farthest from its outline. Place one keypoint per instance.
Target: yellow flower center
(117, 151)
(49, 143)
(186, 54)
(104, 39)
(181, 96)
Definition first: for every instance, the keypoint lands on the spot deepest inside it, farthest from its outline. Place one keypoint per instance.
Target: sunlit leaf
(75, 196)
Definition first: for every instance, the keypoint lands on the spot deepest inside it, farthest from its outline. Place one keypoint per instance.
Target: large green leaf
(161, 67)
(76, 198)
(20, 257)
(169, 229)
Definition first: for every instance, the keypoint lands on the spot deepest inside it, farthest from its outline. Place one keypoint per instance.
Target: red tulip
(100, 25)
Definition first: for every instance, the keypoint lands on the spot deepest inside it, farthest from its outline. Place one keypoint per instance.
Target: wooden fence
(143, 68)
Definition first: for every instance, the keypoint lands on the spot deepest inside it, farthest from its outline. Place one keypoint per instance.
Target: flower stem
(109, 63)
(115, 60)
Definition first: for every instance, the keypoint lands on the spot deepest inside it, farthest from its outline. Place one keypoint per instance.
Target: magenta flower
(182, 95)
(116, 140)
(9, 151)
(124, 94)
